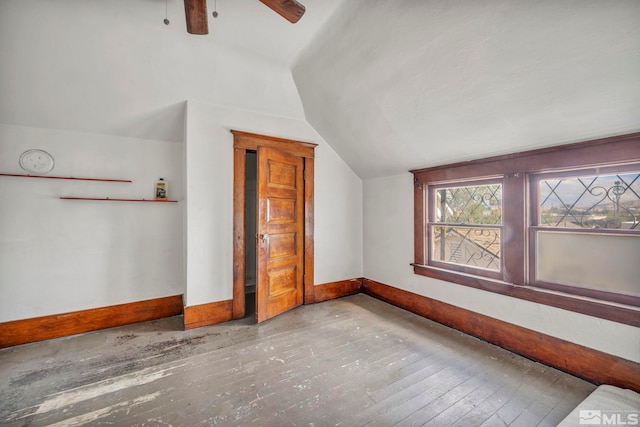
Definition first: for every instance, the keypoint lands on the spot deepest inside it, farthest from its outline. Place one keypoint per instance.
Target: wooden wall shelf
(108, 199)
(64, 177)
(98, 199)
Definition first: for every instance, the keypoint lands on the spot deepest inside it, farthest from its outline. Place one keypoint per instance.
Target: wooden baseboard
(196, 316)
(589, 364)
(61, 325)
(339, 289)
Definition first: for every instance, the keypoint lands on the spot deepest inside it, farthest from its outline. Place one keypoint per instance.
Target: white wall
(209, 200)
(112, 79)
(115, 69)
(58, 256)
(388, 251)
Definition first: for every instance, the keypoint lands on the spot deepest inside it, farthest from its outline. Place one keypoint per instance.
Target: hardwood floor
(352, 362)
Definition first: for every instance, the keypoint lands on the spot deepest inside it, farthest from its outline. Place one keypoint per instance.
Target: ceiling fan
(196, 13)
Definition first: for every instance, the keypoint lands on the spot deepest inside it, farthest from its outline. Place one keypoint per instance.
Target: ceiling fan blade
(290, 10)
(196, 14)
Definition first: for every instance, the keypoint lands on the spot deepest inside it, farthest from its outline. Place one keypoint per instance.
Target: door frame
(243, 142)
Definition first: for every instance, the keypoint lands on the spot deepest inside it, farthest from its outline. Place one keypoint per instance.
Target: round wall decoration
(36, 161)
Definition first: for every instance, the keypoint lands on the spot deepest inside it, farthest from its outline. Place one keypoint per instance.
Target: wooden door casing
(243, 142)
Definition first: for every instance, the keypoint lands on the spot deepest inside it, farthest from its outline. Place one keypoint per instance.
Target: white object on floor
(607, 405)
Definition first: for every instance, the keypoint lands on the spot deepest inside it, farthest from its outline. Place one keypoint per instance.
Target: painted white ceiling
(113, 67)
(402, 84)
(390, 84)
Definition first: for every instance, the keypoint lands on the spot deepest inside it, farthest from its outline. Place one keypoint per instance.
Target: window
(466, 226)
(559, 226)
(585, 231)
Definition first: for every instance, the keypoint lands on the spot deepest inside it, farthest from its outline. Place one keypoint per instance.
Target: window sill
(616, 312)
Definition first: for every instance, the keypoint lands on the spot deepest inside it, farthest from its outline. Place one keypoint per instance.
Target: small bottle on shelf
(161, 189)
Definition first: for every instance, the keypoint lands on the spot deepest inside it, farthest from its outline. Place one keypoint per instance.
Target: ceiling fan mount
(196, 13)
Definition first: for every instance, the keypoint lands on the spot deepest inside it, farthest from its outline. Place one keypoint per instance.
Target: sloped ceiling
(391, 85)
(395, 85)
(112, 66)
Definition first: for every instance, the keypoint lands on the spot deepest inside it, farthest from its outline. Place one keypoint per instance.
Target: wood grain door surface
(280, 232)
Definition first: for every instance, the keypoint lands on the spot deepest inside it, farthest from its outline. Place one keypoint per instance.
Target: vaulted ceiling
(113, 67)
(390, 85)
(394, 85)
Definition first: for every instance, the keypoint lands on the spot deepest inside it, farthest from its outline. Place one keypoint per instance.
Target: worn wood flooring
(354, 361)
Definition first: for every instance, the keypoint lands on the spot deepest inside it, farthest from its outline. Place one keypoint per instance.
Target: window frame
(519, 173)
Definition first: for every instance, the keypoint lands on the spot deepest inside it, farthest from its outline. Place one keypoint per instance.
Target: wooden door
(280, 232)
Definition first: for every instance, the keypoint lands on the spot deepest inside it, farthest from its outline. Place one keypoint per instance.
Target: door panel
(282, 245)
(280, 232)
(281, 210)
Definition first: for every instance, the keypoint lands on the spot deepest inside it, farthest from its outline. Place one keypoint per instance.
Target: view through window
(467, 226)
